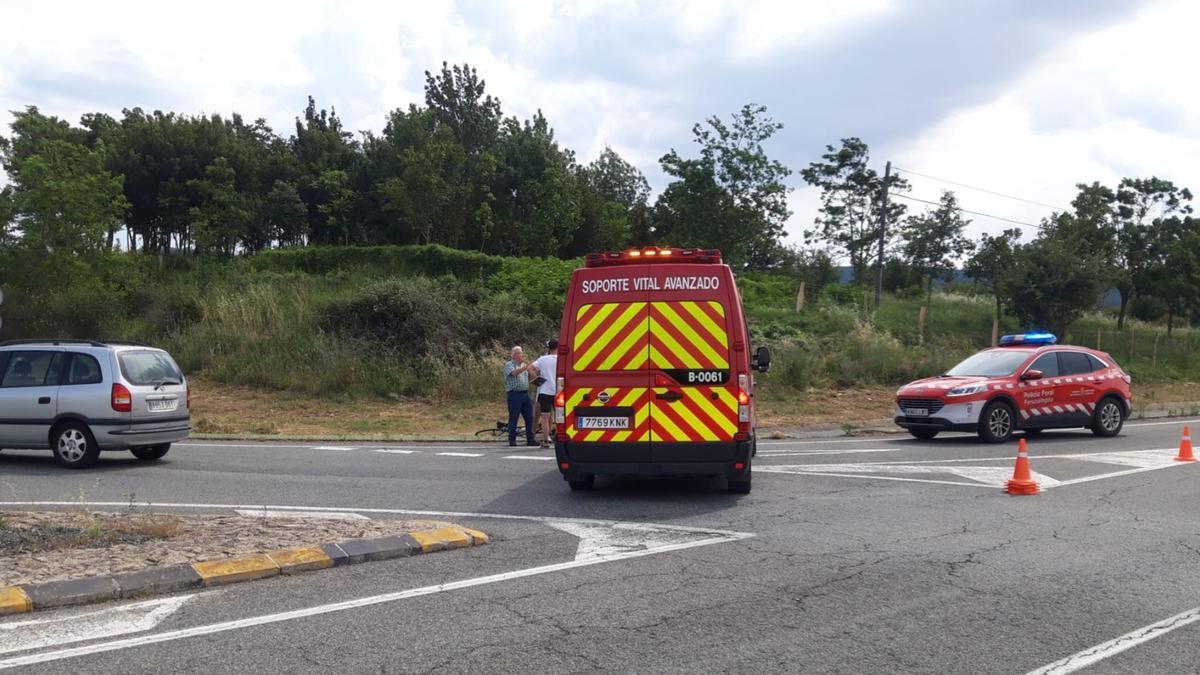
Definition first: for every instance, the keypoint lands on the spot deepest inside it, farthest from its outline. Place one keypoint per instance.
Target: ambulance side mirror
(1032, 375)
(762, 360)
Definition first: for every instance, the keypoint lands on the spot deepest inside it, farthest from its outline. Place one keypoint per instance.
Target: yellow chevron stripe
(717, 331)
(668, 425)
(657, 359)
(601, 343)
(639, 415)
(582, 332)
(677, 349)
(717, 360)
(619, 352)
(721, 418)
(698, 429)
(728, 398)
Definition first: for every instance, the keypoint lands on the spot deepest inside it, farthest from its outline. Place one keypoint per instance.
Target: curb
(221, 572)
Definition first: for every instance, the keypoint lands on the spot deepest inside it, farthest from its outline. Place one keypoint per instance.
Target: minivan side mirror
(762, 360)
(1032, 375)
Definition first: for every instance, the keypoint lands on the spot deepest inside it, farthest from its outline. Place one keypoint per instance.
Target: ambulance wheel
(997, 422)
(1108, 418)
(923, 434)
(583, 483)
(740, 487)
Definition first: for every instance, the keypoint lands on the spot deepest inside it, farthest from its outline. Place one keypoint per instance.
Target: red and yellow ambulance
(655, 369)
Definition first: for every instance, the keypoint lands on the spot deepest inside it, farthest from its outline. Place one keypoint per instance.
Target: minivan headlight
(967, 390)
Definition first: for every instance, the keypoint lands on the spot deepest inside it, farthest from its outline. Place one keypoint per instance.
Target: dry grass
(219, 408)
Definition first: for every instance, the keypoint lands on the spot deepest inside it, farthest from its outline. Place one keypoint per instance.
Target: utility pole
(887, 175)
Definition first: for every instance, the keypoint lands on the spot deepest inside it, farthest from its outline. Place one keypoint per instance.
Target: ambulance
(1028, 383)
(655, 369)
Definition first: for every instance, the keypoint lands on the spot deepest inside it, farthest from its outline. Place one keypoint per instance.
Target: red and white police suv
(1028, 383)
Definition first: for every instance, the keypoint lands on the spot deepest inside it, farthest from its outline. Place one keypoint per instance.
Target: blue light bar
(1028, 339)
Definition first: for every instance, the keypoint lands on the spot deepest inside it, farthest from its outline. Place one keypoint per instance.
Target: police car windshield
(994, 363)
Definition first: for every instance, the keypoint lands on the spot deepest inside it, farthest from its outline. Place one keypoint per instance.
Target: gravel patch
(55, 545)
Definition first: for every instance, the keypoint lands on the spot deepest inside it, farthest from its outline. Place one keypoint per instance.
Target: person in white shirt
(546, 368)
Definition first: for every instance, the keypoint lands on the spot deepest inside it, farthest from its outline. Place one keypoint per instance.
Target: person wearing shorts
(546, 368)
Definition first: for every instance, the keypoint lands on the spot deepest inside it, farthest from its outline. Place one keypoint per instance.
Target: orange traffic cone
(1185, 447)
(1022, 482)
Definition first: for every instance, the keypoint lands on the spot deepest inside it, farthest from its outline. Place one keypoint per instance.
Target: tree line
(1138, 238)
(455, 171)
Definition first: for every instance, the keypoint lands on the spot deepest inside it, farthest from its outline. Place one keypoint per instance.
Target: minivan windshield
(992, 363)
(149, 368)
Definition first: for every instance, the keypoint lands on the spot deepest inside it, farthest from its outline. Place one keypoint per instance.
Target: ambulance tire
(996, 422)
(583, 483)
(740, 487)
(923, 434)
(1109, 417)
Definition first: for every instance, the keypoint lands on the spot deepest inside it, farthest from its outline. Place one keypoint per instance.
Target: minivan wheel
(997, 422)
(1108, 418)
(74, 446)
(151, 453)
(583, 483)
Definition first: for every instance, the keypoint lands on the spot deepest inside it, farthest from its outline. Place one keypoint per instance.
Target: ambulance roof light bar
(652, 254)
(1028, 339)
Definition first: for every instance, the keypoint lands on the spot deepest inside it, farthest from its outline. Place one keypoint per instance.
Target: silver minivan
(78, 397)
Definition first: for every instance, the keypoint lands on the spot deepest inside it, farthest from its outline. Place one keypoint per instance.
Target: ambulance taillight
(743, 399)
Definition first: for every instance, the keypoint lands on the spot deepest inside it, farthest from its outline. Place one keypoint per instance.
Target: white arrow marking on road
(654, 539)
(460, 454)
(32, 634)
(393, 451)
(612, 542)
(339, 448)
(317, 515)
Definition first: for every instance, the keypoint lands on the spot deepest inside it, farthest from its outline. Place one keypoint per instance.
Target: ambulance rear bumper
(658, 459)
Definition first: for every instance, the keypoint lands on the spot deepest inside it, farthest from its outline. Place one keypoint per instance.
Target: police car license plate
(605, 423)
(161, 405)
(916, 412)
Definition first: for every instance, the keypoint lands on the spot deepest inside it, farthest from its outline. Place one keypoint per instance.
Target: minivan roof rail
(129, 343)
(52, 341)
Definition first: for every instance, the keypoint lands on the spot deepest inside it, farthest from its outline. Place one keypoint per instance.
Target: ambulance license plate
(916, 412)
(598, 422)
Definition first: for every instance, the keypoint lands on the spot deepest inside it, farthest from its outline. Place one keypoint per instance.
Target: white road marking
(528, 457)
(339, 448)
(309, 446)
(852, 451)
(460, 454)
(986, 476)
(316, 515)
(394, 451)
(1104, 650)
(654, 539)
(21, 636)
(1178, 420)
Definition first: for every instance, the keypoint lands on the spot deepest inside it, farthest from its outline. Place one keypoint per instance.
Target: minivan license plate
(602, 422)
(161, 405)
(916, 412)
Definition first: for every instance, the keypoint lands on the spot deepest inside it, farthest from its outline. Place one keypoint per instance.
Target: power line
(979, 189)
(974, 213)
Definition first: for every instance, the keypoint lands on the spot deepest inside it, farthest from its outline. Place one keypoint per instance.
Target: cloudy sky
(1025, 98)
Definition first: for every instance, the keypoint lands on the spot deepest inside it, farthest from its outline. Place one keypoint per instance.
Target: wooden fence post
(1154, 359)
(800, 298)
(1097, 339)
(995, 332)
(921, 325)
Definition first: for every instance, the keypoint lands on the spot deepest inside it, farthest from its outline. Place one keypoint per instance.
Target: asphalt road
(876, 554)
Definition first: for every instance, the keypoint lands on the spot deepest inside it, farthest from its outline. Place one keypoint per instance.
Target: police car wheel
(1108, 418)
(996, 424)
(923, 434)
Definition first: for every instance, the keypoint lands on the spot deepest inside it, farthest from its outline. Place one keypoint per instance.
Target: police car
(1028, 383)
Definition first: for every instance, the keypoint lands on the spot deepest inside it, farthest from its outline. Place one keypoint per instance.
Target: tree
(994, 258)
(1173, 266)
(64, 199)
(732, 197)
(1141, 202)
(459, 99)
(934, 241)
(221, 216)
(611, 192)
(284, 215)
(851, 203)
(1053, 281)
